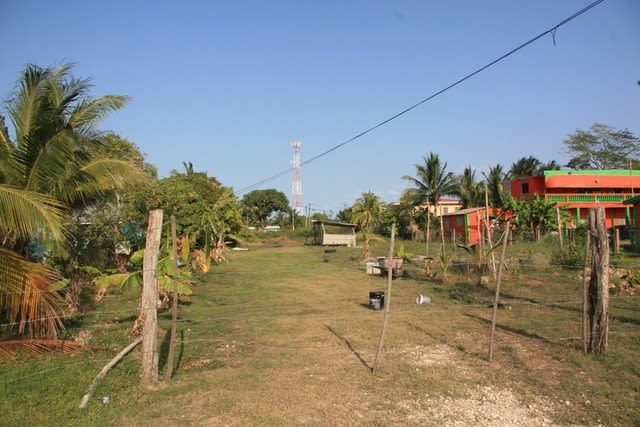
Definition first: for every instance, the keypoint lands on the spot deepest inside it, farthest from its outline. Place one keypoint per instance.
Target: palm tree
(551, 165)
(432, 181)
(524, 167)
(56, 163)
(471, 192)
(495, 185)
(366, 213)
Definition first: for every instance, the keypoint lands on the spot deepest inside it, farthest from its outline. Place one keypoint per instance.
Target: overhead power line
(551, 31)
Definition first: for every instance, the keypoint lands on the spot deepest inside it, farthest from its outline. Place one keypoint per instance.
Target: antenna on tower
(296, 199)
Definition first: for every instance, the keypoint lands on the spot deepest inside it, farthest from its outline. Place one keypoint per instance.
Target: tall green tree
(602, 147)
(53, 165)
(367, 215)
(261, 204)
(432, 181)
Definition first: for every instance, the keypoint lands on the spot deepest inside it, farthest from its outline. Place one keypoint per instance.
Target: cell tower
(296, 199)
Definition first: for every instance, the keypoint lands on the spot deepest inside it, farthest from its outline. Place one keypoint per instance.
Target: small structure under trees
(330, 233)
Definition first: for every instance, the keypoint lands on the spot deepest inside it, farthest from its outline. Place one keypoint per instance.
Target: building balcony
(587, 198)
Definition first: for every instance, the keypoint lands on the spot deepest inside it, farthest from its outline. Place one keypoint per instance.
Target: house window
(445, 210)
(459, 221)
(525, 188)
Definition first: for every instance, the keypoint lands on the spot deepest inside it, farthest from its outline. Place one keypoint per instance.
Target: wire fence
(523, 271)
(242, 313)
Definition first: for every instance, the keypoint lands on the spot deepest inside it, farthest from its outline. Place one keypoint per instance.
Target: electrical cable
(551, 31)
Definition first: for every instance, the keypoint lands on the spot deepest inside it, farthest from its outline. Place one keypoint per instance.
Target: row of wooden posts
(595, 299)
(595, 288)
(595, 296)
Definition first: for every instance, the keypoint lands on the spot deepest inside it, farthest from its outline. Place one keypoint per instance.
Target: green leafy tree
(536, 214)
(344, 214)
(205, 210)
(367, 215)
(116, 147)
(602, 147)
(432, 182)
(55, 164)
(261, 204)
(98, 230)
(400, 214)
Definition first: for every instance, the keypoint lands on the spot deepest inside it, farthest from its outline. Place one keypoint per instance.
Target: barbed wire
(227, 344)
(415, 265)
(138, 309)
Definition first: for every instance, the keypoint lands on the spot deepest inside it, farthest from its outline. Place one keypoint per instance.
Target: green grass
(282, 335)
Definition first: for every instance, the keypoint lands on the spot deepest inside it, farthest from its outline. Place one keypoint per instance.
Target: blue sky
(228, 85)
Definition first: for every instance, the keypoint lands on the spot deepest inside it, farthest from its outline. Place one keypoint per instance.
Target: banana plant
(134, 279)
(480, 257)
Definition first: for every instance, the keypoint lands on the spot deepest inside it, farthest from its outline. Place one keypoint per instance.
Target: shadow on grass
(505, 328)
(574, 308)
(348, 344)
(163, 353)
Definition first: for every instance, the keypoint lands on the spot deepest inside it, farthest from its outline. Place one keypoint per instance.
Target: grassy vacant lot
(282, 335)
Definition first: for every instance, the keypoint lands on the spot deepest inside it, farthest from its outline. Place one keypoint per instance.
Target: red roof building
(580, 190)
(468, 225)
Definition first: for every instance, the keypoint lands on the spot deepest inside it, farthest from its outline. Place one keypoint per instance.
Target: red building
(468, 225)
(579, 190)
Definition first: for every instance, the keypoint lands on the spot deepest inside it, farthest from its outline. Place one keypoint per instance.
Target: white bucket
(423, 299)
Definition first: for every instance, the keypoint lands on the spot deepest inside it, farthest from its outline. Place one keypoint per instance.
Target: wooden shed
(330, 233)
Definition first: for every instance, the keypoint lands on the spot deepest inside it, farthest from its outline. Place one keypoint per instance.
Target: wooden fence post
(174, 301)
(150, 300)
(496, 300)
(599, 282)
(585, 295)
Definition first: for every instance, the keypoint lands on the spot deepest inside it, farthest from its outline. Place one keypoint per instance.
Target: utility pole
(296, 193)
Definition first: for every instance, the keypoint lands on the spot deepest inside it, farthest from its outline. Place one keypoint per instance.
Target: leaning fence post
(387, 297)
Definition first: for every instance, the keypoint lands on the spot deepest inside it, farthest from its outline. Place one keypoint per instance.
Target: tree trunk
(599, 282)
(150, 300)
(366, 247)
(428, 237)
(441, 230)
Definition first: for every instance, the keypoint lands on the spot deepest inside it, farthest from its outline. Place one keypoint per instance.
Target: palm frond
(26, 213)
(26, 297)
(89, 112)
(9, 348)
